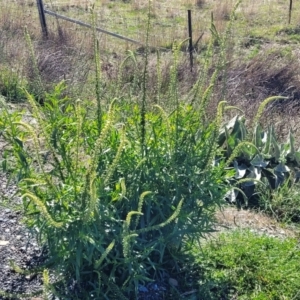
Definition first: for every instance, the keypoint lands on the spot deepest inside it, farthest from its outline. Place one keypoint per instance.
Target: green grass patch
(244, 265)
(11, 85)
(283, 203)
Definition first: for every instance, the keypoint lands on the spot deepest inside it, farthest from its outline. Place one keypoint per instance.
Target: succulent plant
(257, 157)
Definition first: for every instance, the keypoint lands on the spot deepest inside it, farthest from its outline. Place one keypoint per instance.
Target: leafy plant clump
(117, 195)
(10, 85)
(244, 265)
(113, 209)
(282, 203)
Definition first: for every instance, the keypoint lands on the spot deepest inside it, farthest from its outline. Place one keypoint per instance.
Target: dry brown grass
(223, 10)
(68, 54)
(59, 59)
(65, 55)
(268, 74)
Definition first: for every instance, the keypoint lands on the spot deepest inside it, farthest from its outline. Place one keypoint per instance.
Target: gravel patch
(16, 244)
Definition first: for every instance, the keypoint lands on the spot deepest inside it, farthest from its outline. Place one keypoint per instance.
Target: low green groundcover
(244, 265)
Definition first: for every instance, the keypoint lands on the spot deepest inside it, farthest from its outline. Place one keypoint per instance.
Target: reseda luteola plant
(70, 208)
(115, 204)
(106, 215)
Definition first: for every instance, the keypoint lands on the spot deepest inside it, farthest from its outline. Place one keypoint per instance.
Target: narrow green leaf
(292, 143)
(276, 149)
(257, 136)
(18, 141)
(268, 137)
(22, 158)
(243, 131)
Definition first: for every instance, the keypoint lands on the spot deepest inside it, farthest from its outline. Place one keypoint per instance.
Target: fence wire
(168, 18)
(130, 20)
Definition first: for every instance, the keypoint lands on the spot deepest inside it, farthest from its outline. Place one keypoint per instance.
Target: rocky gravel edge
(17, 245)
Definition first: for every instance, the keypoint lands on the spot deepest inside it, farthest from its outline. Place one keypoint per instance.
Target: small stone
(143, 289)
(7, 210)
(4, 243)
(173, 282)
(30, 277)
(6, 230)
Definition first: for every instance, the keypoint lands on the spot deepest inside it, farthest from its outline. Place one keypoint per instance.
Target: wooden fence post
(40, 6)
(290, 11)
(190, 38)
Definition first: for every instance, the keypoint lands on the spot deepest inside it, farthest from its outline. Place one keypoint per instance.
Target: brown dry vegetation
(270, 73)
(262, 55)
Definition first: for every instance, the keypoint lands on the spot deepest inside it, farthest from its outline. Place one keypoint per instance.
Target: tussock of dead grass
(264, 76)
(271, 73)
(58, 59)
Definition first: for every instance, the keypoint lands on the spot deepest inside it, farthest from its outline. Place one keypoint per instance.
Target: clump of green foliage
(110, 215)
(116, 195)
(244, 265)
(282, 203)
(10, 85)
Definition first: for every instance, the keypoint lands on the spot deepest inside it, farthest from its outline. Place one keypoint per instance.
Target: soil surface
(231, 218)
(16, 245)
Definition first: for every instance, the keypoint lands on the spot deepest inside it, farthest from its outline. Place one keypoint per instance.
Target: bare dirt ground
(17, 245)
(231, 218)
